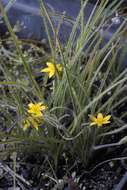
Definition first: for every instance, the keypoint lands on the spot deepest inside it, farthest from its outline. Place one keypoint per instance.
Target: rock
(12, 188)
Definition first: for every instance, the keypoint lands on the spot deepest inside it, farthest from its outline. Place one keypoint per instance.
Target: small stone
(111, 164)
(73, 174)
(60, 184)
(116, 20)
(1, 171)
(12, 188)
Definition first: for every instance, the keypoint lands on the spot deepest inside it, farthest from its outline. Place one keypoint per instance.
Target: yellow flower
(100, 120)
(52, 69)
(31, 121)
(35, 115)
(36, 109)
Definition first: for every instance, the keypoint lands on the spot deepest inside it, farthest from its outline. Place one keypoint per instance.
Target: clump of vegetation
(66, 110)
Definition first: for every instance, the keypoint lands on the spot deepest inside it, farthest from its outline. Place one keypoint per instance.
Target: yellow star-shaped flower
(100, 120)
(36, 109)
(52, 69)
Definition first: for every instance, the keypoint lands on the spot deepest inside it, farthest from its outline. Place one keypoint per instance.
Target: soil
(105, 177)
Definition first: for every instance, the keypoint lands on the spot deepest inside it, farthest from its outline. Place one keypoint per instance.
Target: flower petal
(49, 64)
(30, 111)
(40, 103)
(43, 107)
(99, 124)
(51, 74)
(30, 105)
(107, 118)
(92, 118)
(106, 122)
(93, 123)
(99, 117)
(45, 70)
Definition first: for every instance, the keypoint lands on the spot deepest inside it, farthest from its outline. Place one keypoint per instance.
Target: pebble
(1, 171)
(12, 188)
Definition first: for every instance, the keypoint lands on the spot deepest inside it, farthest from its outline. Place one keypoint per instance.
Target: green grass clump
(91, 83)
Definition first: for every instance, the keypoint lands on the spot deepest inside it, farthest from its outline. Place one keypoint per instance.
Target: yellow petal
(37, 114)
(30, 111)
(93, 123)
(51, 74)
(39, 104)
(45, 70)
(30, 105)
(106, 122)
(49, 64)
(92, 118)
(99, 124)
(99, 117)
(106, 118)
(43, 107)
